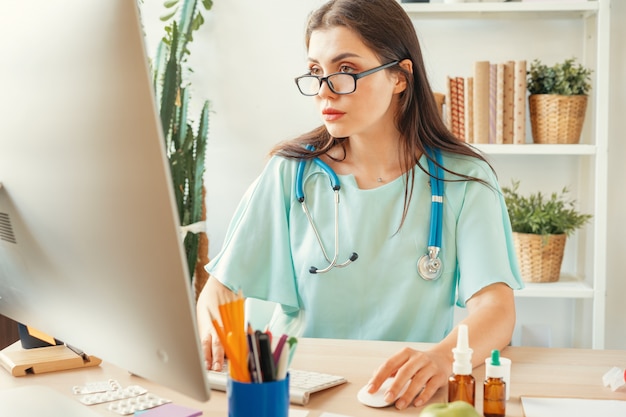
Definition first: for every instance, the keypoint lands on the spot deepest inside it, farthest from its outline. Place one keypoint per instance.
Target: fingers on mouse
(377, 399)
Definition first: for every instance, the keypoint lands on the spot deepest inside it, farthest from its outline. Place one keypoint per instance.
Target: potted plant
(185, 139)
(557, 101)
(540, 227)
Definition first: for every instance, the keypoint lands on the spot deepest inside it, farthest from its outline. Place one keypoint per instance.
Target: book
(492, 102)
(519, 103)
(481, 102)
(469, 109)
(453, 115)
(448, 104)
(507, 107)
(499, 122)
(460, 106)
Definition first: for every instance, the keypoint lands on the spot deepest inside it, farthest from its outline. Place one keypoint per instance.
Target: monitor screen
(90, 245)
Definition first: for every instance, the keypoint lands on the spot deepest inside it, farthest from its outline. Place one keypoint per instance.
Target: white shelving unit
(583, 165)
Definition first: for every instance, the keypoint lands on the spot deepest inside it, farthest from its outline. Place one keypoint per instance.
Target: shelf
(566, 287)
(494, 10)
(587, 25)
(536, 149)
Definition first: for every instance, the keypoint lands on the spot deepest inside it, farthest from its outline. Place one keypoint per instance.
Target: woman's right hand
(212, 295)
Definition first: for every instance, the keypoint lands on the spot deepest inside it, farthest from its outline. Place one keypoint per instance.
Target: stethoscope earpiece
(333, 263)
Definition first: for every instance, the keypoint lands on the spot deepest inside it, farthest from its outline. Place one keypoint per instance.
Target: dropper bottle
(494, 388)
(461, 384)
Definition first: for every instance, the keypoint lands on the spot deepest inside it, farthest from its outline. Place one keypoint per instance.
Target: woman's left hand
(427, 370)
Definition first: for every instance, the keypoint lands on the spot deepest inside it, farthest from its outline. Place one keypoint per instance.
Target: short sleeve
(485, 251)
(256, 254)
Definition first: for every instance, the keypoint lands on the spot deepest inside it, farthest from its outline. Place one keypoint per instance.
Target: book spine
(500, 103)
(481, 102)
(448, 104)
(460, 103)
(455, 107)
(492, 102)
(507, 110)
(519, 103)
(469, 109)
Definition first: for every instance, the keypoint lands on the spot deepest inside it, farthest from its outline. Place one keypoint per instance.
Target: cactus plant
(185, 145)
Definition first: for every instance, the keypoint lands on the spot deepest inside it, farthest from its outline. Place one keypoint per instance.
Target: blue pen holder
(266, 399)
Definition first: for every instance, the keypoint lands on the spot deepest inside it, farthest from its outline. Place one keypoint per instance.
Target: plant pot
(200, 275)
(539, 256)
(556, 119)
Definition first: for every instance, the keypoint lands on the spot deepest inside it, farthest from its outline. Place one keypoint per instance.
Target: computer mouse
(377, 399)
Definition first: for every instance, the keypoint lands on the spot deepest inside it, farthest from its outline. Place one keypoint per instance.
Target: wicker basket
(539, 256)
(555, 118)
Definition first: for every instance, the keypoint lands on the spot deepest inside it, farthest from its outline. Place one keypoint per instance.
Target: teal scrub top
(270, 246)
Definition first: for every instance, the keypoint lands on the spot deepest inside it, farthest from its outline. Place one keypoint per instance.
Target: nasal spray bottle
(461, 384)
(494, 387)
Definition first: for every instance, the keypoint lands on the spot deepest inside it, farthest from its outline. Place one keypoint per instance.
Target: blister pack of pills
(113, 395)
(97, 386)
(139, 403)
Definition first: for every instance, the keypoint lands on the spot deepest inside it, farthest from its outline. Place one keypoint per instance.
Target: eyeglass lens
(338, 83)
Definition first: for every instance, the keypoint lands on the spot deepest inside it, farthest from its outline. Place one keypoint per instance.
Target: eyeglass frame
(354, 76)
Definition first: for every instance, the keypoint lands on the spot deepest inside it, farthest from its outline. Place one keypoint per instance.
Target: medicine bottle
(494, 388)
(461, 384)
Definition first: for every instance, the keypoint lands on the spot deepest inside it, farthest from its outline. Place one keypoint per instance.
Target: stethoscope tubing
(336, 186)
(334, 179)
(436, 185)
(429, 266)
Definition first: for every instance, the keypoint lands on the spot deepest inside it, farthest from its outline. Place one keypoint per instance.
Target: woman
(380, 127)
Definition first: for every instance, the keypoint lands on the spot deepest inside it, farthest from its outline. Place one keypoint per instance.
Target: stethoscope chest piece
(429, 266)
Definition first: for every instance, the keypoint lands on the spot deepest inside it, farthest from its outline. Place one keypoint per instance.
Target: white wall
(245, 59)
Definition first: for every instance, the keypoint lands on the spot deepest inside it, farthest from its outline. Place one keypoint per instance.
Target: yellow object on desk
(232, 335)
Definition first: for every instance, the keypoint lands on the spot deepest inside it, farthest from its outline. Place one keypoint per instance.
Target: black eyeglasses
(338, 82)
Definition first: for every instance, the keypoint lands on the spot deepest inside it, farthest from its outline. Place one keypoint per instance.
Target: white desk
(534, 372)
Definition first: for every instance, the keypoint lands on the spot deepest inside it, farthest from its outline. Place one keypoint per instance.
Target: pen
(282, 364)
(279, 347)
(268, 367)
(253, 359)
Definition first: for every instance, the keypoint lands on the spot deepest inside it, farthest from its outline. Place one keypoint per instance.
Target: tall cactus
(185, 146)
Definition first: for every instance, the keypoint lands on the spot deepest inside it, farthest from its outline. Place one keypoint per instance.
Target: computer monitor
(90, 245)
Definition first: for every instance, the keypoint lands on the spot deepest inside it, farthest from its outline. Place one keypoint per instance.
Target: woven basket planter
(539, 256)
(555, 118)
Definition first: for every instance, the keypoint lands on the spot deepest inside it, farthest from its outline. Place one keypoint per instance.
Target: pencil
(236, 370)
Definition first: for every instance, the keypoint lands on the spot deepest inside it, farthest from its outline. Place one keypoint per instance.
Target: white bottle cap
(462, 364)
(493, 368)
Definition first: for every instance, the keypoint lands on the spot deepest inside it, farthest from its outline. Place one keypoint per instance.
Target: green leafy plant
(566, 78)
(185, 139)
(537, 214)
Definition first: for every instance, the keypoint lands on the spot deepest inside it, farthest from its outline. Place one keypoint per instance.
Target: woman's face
(370, 110)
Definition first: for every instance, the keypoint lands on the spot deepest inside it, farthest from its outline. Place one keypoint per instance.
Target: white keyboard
(301, 383)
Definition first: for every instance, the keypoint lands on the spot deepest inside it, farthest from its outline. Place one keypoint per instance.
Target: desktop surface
(540, 372)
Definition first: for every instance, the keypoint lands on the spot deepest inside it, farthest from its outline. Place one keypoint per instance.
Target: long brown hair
(388, 31)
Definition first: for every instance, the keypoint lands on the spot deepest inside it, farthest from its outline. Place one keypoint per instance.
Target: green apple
(453, 409)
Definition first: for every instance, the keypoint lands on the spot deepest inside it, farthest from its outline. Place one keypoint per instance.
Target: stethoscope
(429, 266)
